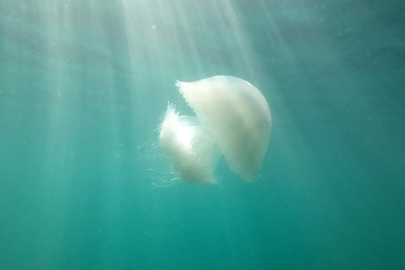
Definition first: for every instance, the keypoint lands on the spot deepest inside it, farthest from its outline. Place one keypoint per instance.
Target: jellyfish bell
(231, 115)
(238, 117)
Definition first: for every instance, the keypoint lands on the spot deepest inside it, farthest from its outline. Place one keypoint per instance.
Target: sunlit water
(84, 84)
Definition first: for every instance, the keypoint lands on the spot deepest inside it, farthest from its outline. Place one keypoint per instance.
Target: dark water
(83, 85)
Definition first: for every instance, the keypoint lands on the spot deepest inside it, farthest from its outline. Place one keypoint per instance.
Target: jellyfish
(232, 120)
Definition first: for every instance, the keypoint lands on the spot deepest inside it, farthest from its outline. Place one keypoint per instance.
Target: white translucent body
(233, 114)
(191, 148)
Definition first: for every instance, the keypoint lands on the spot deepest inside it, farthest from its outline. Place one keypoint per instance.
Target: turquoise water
(84, 84)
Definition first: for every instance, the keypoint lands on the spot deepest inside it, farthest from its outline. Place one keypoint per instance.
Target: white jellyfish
(232, 119)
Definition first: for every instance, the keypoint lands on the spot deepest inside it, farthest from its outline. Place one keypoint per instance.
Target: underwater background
(84, 85)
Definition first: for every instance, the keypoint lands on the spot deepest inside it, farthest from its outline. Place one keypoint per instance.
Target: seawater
(84, 85)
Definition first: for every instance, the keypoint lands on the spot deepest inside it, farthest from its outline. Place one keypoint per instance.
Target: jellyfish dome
(232, 119)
